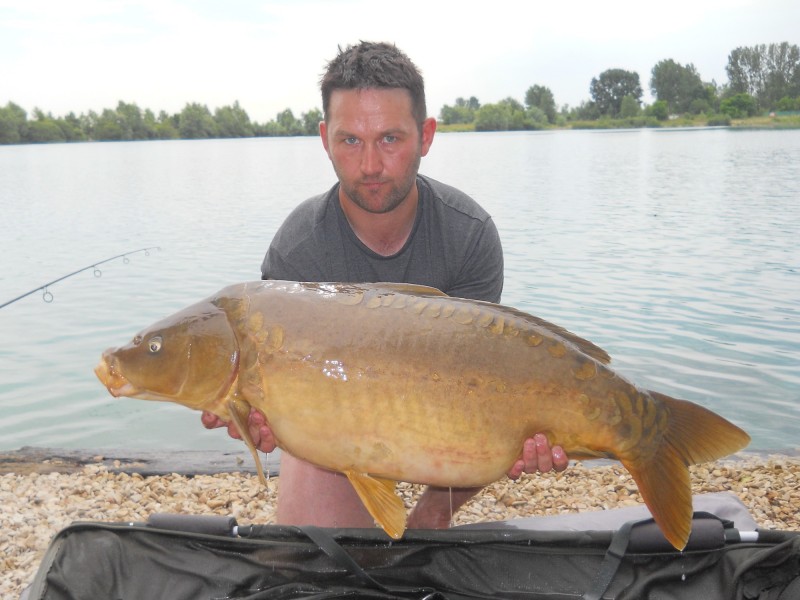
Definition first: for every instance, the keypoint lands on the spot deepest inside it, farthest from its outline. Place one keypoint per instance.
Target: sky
(81, 55)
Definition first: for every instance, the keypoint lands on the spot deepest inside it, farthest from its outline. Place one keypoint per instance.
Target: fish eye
(154, 344)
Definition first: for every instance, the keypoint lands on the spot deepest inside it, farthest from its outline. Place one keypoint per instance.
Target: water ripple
(675, 252)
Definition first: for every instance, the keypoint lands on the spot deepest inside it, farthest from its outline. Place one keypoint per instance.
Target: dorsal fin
(584, 345)
(409, 288)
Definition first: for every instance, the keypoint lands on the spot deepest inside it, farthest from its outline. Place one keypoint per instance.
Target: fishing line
(47, 295)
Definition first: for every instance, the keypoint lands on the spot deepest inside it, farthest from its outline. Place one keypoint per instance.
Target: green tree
(517, 118)
(268, 129)
(463, 111)
(788, 104)
(287, 124)
(71, 127)
(43, 129)
(783, 73)
(166, 126)
(542, 98)
(745, 71)
(535, 118)
(88, 122)
(13, 124)
(492, 117)
(739, 106)
(658, 109)
(677, 85)
(766, 73)
(611, 87)
(585, 111)
(131, 122)
(233, 122)
(311, 120)
(195, 122)
(508, 115)
(629, 108)
(110, 127)
(712, 96)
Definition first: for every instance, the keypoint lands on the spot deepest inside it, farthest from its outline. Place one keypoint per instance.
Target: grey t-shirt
(454, 246)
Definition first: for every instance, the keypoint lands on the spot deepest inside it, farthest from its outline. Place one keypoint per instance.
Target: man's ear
(323, 134)
(428, 131)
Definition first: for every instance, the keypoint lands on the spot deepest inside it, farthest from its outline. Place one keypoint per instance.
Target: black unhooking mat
(176, 557)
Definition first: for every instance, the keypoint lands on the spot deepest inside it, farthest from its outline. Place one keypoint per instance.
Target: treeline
(129, 122)
(761, 79)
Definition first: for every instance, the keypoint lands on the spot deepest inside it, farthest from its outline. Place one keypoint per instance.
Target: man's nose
(371, 161)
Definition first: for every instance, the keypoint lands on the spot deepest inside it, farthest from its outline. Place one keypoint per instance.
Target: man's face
(375, 145)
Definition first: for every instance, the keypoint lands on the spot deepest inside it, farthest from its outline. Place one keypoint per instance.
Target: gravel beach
(36, 503)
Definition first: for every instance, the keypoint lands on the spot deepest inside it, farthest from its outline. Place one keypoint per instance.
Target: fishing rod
(47, 296)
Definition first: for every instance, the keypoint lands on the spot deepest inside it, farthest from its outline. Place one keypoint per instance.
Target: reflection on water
(675, 251)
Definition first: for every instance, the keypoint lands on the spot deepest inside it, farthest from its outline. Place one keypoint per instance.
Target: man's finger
(544, 455)
(267, 440)
(233, 431)
(560, 459)
(210, 420)
(516, 470)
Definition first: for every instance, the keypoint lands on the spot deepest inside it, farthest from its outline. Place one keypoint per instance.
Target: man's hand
(436, 506)
(538, 456)
(260, 432)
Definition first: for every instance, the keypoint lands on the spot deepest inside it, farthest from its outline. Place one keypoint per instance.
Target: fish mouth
(115, 382)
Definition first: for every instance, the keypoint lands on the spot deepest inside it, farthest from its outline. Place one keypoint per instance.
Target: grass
(759, 122)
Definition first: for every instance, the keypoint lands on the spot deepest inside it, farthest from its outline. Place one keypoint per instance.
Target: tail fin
(694, 435)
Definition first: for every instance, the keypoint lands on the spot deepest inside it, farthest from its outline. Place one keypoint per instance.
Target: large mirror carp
(396, 382)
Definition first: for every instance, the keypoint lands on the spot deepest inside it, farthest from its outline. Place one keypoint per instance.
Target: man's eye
(351, 141)
(390, 139)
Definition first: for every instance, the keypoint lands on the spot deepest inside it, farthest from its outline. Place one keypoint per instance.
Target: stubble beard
(393, 197)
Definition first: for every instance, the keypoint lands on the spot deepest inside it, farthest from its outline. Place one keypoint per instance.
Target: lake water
(676, 251)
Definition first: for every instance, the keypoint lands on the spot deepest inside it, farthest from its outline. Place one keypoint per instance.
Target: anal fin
(380, 500)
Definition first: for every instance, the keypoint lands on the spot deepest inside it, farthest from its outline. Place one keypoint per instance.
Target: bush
(787, 104)
(719, 120)
(739, 106)
(658, 109)
(699, 106)
(629, 107)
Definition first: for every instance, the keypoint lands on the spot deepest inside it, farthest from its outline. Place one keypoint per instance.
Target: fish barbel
(398, 382)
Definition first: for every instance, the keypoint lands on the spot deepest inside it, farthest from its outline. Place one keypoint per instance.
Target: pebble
(34, 507)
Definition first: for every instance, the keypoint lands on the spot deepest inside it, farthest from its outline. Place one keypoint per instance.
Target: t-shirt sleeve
(481, 276)
(275, 266)
(294, 253)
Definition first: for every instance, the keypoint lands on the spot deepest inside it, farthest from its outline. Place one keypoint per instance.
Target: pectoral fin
(240, 412)
(383, 504)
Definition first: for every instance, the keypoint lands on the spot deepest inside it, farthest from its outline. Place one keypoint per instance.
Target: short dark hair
(374, 65)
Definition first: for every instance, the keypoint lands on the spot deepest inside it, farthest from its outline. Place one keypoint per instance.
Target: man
(381, 222)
